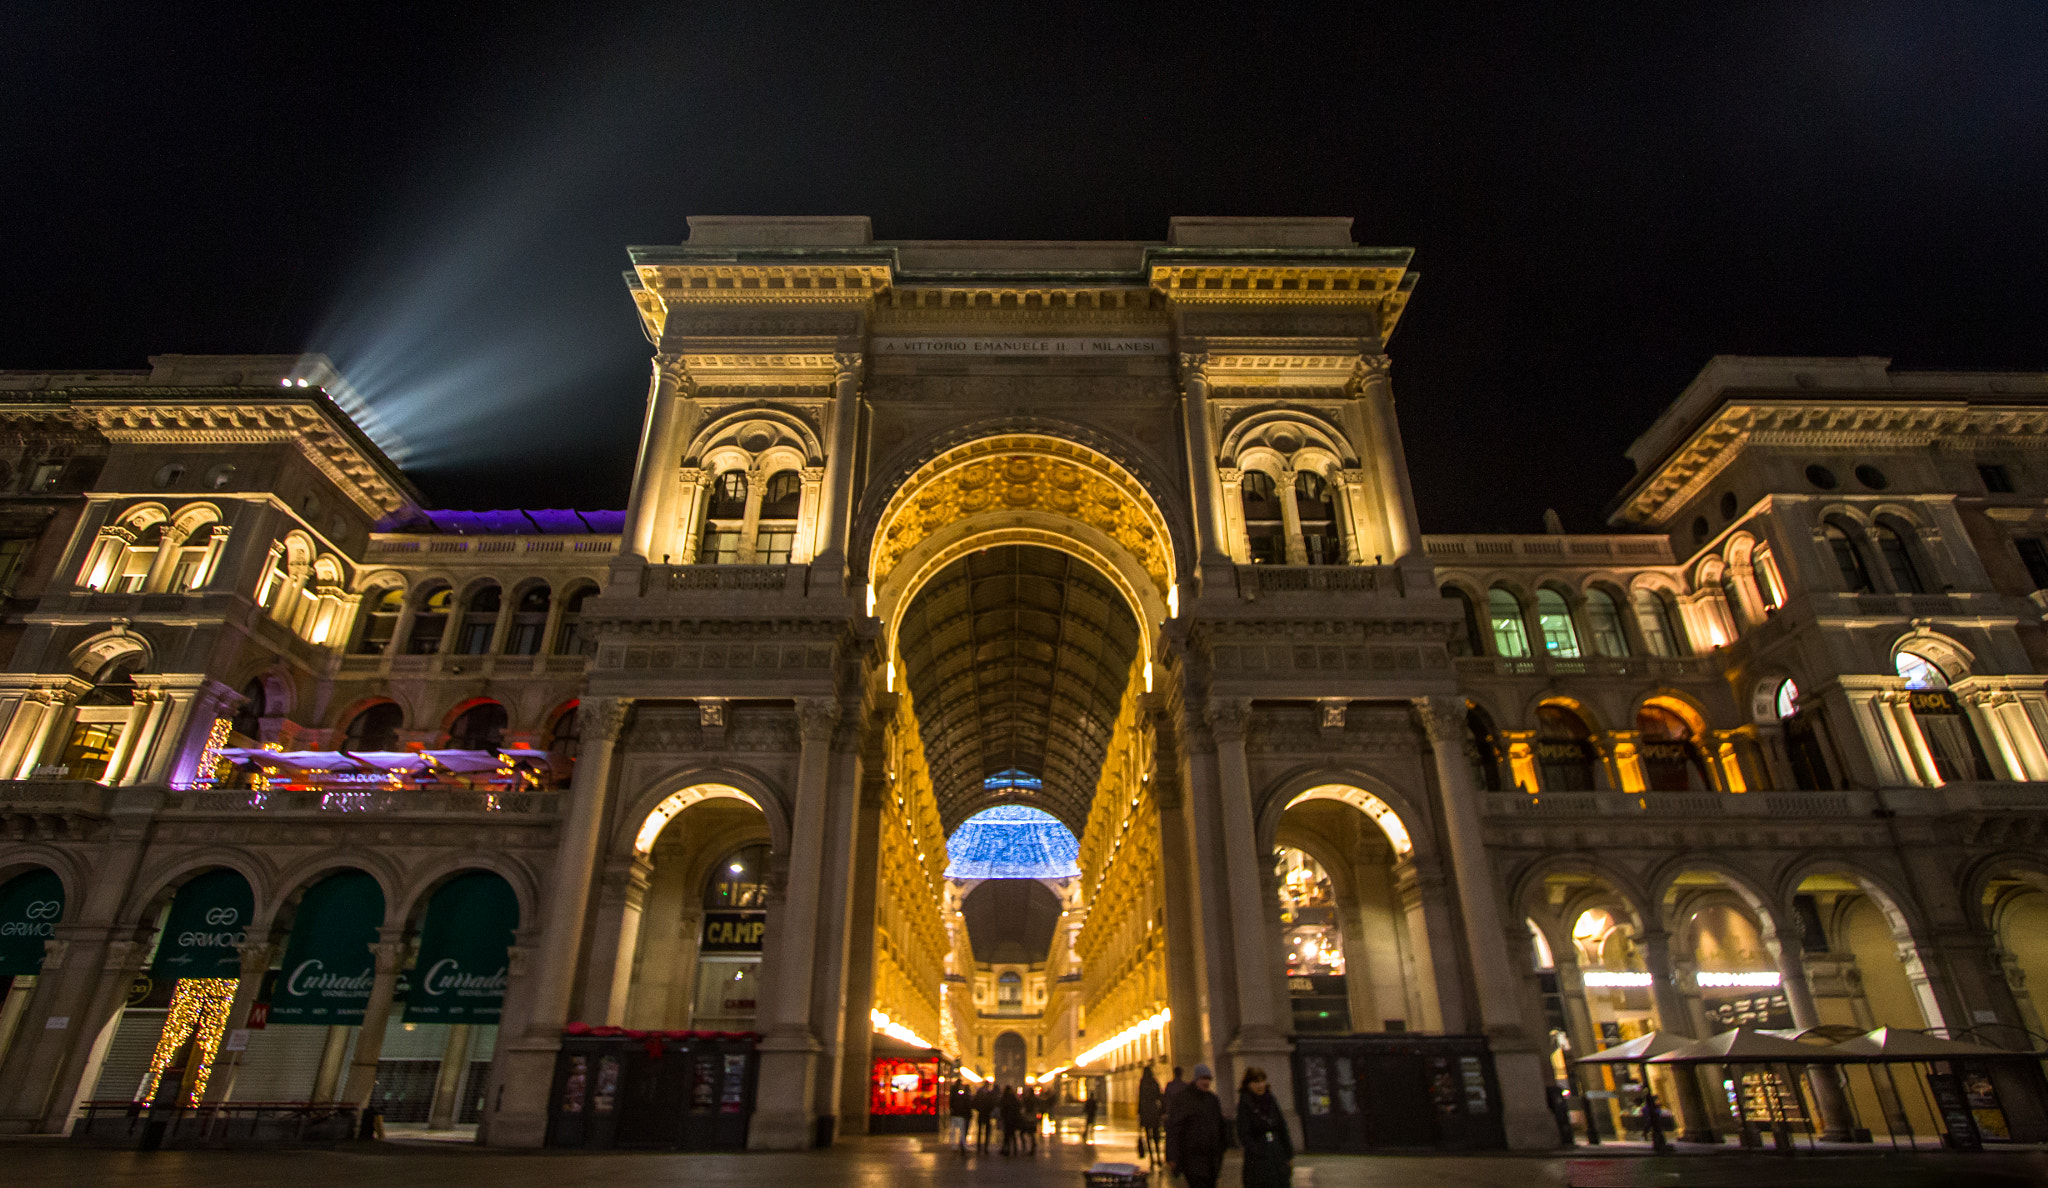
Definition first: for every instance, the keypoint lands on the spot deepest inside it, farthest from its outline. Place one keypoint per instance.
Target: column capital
(1371, 370)
(673, 371)
(1228, 716)
(602, 718)
(815, 718)
(1194, 365)
(1443, 719)
(846, 366)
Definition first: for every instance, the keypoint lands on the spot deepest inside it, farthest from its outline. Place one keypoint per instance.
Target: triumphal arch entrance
(1017, 649)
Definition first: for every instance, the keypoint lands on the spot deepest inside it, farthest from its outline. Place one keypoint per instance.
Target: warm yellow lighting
(1173, 602)
(871, 600)
(676, 802)
(1135, 1031)
(1380, 811)
(198, 1005)
(887, 1026)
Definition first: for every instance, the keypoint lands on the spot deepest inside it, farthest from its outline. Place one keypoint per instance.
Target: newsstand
(1397, 1090)
(653, 1090)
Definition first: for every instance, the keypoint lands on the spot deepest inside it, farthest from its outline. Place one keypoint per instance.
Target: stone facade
(828, 622)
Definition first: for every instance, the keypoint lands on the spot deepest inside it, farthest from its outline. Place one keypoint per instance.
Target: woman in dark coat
(1262, 1132)
(1012, 1112)
(1151, 1113)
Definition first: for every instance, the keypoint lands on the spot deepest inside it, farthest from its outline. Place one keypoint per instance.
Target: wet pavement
(878, 1161)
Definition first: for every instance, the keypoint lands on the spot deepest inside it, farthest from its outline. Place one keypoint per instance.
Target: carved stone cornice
(305, 425)
(658, 289)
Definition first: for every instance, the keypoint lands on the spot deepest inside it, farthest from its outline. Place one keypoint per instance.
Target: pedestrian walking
(984, 1115)
(1011, 1110)
(1262, 1132)
(1196, 1136)
(960, 1109)
(1171, 1088)
(1088, 1109)
(1027, 1115)
(1151, 1115)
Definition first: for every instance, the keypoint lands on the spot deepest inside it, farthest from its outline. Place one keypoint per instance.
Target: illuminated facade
(1120, 532)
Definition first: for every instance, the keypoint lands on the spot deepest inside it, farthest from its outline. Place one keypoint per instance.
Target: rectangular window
(185, 575)
(135, 571)
(2034, 555)
(1321, 545)
(13, 555)
(1997, 479)
(46, 477)
(525, 639)
(1267, 547)
(476, 638)
(721, 547)
(772, 545)
(90, 749)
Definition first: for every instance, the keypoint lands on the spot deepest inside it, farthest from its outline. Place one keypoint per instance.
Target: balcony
(1653, 667)
(1254, 581)
(1776, 805)
(454, 802)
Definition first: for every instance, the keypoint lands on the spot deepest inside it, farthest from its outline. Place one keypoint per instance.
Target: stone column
(1833, 1103)
(833, 928)
(789, 1047)
(1184, 963)
(1429, 953)
(517, 1113)
(614, 940)
(1290, 519)
(170, 541)
(1672, 1016)
(835, 506)
(857, 1036)
(1519, 1060)
(257, 956)
(650, 509)
(1199, 437)
(1374, 379)
(391, 954)
(441, 1114)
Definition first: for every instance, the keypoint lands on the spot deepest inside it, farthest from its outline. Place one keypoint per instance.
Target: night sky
(1600, 198)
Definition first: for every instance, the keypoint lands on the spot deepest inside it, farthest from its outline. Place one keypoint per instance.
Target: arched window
(248, 720)
(565, 736)
(374, 729)
(480, 728)
(479, 621)
(429, 620)
(1731, 599)
(781, 496)
(1560, 638)
(1470, 645)
(1265, 537)
(1603, 620)
(1510, 637)
(571, 640)
(740, 880)
(1848, 560)
(114, 683)
(1898, 559)
(724, 518)
(1770, 584)
(1010, 990)
(1564, 750)
(1659, 625)
(1489, 759)
(1957, 752)
(529, 622)
(1317, 512)
(380, 621)
(1671, 756)
(1802, 724)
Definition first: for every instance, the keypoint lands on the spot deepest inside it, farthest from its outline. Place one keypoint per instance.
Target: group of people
(1180, 1122)
(1183, 1122)
(984, 1108)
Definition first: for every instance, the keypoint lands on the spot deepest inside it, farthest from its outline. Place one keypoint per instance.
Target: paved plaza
(912, 1161)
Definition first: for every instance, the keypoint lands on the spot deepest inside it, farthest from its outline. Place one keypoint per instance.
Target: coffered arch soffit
(1288, 433)
(755, 432)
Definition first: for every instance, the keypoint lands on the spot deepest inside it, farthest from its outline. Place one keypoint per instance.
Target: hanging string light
(199, 1010)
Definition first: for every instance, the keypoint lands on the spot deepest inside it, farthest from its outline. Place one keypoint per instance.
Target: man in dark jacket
(984, 1114)
(1195, 1133)
(1151, 1115)
(960, 1105)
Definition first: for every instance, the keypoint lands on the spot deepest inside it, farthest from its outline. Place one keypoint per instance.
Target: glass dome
(1012, 842)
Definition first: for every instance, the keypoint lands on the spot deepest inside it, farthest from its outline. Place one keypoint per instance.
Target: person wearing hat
(1196, 1136)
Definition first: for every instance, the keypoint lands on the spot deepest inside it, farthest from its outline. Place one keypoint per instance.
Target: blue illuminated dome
(1012, 842)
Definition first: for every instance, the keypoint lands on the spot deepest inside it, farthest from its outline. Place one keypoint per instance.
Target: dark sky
(1600, 197)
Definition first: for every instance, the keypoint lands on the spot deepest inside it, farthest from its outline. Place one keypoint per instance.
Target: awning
(30, 907)
(1746, 1045)
(1637, 1050)
(328, 968)
(202, 937)
(1896, 1043)
(464, 951)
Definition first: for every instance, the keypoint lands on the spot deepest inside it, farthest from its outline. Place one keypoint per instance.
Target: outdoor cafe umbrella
(1899, 1044)
(1746, 1045)
(1638, 1051)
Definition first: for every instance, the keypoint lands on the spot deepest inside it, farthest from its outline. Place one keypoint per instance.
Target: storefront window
(1315, 944)
(741, 881)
